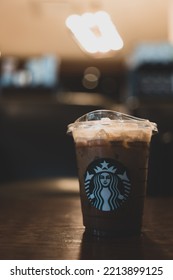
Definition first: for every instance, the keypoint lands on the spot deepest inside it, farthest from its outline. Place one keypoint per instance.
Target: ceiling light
(95, 32)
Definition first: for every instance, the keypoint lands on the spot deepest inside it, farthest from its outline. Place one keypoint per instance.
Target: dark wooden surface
(42, 220)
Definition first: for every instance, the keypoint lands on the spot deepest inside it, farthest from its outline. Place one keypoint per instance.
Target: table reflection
(129, 248)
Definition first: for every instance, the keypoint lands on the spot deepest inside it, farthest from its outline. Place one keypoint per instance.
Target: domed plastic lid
(111, 118)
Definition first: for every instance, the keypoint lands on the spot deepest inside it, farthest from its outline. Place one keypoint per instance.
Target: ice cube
(101, 134)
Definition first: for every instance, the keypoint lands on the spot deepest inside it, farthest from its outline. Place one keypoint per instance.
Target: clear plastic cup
(112, 151)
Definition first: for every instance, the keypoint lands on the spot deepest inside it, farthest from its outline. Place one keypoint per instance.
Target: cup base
(106, 234)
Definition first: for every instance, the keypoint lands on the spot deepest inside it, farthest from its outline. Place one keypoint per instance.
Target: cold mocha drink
(112, 152)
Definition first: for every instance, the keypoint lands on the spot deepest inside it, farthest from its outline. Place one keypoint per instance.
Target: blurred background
(47, 81)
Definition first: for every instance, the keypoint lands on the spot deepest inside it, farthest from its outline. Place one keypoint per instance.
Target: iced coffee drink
(112, 153)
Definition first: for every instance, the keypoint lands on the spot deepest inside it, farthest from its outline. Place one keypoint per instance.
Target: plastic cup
(112, 151)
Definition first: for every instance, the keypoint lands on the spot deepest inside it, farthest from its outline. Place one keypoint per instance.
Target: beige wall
(170, 22)
(28, 27)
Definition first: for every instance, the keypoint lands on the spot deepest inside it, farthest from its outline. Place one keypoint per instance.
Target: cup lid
(110, 117)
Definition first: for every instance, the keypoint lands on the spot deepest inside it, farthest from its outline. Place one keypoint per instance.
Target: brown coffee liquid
(125, 216)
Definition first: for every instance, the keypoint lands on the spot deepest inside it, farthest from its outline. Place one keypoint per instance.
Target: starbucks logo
(107, 184)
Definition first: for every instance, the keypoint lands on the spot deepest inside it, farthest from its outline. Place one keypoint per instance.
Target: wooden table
(42, 220)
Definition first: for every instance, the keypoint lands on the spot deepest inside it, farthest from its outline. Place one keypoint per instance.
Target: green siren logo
(107, 184)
